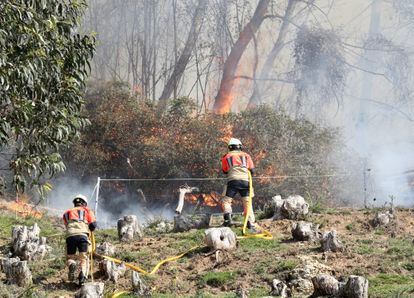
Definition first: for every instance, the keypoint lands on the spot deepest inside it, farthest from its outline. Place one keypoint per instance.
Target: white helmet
(234, 142)
(81, 197)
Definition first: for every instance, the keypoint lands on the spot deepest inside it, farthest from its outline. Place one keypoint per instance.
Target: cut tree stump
(183, 223)
(138, 285)
(27, 244)
(293, 207)
(129, 228)
(330, 242)
(305, 231)
(279, 288)
(325, 285)
(106, 249)
(277, 203)
(112, 271)
(356, 287)
(17, 272)
(382, 219)
(91, 290)
(220, 238)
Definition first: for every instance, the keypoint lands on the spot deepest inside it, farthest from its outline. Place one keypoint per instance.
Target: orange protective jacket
(236, 165)
(79, 221)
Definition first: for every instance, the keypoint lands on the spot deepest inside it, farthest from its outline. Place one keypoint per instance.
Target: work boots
(82, 278)
(72, 270)
(252, 228)
(227, 220)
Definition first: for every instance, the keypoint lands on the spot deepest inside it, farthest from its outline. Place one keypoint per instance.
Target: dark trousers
(77, 242)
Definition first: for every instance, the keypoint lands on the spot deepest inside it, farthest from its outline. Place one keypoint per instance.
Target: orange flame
(210, 199)
(22, 208)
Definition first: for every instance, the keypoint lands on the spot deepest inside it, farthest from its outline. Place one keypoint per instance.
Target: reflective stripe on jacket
(236, 165)
(77, 220)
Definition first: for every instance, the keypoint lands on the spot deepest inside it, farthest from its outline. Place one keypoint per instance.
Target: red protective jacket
(79, 221)
(236, 165)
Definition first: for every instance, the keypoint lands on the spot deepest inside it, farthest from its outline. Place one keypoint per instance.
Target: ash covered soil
(383, 255)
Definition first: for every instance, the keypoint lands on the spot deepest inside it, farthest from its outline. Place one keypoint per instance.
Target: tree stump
(279, 288)
(295, 207)
(91, 290)
(27, 244)
(140, 289)
(305, 231)
(184, 223)
(356, 287)
(330, 242)
(277, 203)
(106, 249)
(17, 272)
(220, 238)
(382, 219)
(111, 270)
(325, 285)
(129, 228)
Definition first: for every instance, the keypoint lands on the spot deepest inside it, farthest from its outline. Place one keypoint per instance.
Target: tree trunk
(224, 98)
(185, 56)
(259, 85)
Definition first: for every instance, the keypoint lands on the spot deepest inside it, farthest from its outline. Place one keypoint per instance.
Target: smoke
(110, 209)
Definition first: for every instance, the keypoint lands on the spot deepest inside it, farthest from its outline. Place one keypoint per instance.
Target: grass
(254, 244)
(367, 246)
(217, 279)
(391, 285)
(284, 265)
(109, 235)
(258, 292)
(46, 225)
(402, 247)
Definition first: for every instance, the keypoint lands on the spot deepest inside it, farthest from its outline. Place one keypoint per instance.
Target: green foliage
(284, 265)
(401, 248)
(408, 266)
(217, 279)
(257, 244)
(181, 143)
(43, 67)
(390, 285)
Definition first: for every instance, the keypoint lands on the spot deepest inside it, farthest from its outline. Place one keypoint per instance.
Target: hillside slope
(385, 256)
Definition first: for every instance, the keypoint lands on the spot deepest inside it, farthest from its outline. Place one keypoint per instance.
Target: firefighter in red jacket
(79, 222)
(236, 164)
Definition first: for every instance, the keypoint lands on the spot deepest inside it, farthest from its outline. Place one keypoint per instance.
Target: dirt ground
(384, 255)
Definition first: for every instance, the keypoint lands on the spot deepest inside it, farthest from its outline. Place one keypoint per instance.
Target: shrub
(182, 143)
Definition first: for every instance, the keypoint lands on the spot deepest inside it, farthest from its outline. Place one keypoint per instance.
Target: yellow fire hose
(264, 234)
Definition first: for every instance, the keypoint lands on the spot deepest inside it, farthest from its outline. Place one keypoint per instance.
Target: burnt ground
(384, 255)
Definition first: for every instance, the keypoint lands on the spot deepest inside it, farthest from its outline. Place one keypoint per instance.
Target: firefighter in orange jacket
(79, 222)
(236, 164)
